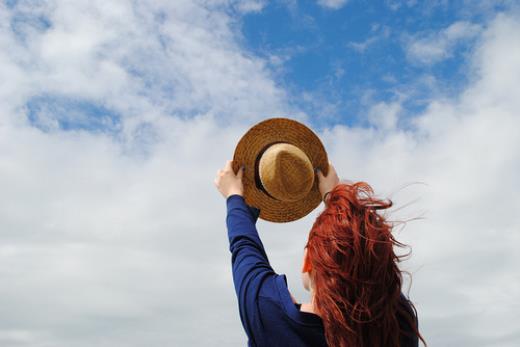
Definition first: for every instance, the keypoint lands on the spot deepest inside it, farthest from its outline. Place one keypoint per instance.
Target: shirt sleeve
(250, 265)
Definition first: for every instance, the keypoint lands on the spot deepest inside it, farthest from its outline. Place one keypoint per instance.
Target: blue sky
(357, 53)
(116, 115)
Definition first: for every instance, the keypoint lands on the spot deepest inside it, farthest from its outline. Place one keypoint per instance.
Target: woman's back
(274, 319)
(268, 313)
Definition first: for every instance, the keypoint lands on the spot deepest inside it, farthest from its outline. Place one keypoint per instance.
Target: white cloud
(435, 47)
(361, 47)
(121, 241)
(384, 116)
(332, 4)
(180, 58)
(247, 6)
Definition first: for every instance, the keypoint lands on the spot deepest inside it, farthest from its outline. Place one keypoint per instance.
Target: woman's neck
(309, 306)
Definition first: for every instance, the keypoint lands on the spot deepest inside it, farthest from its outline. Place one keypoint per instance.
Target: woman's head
(350, 267)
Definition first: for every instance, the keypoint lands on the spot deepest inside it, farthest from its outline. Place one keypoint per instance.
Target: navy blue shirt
(267, 311)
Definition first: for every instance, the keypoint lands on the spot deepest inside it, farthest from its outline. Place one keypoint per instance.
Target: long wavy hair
(357, 283)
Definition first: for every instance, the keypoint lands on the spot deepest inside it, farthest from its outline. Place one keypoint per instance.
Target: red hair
(357, 283)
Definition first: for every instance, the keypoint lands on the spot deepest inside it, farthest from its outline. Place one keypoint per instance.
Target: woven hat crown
(280, 155)
(286, 172)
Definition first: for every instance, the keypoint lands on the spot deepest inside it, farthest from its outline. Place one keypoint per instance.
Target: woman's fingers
(228, 165)
(332, 172)
(332, 168)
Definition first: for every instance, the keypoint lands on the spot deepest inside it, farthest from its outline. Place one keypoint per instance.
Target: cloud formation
(431, 48)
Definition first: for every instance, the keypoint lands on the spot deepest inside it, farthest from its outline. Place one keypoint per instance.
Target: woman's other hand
(327, 183)
(229, 183)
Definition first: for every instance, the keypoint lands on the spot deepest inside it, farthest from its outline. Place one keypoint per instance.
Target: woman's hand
(229, 183)
(326, 184)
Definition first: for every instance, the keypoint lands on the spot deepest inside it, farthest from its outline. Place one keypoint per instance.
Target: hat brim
(248, 152)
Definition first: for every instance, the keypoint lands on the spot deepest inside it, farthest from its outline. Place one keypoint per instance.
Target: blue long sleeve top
(268, 313)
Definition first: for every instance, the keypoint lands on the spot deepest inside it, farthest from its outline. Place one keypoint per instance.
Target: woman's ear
(306, 262)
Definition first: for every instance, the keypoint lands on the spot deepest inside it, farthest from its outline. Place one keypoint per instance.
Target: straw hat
(280, 157)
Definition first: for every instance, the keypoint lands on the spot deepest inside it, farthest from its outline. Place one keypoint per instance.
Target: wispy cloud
(378, 33)
(332, 4)
(247, 6)
(431, 48)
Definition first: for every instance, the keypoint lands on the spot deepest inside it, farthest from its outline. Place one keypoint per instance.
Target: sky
(115, 117)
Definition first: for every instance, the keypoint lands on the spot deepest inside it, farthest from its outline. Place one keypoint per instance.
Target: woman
(349, 267)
